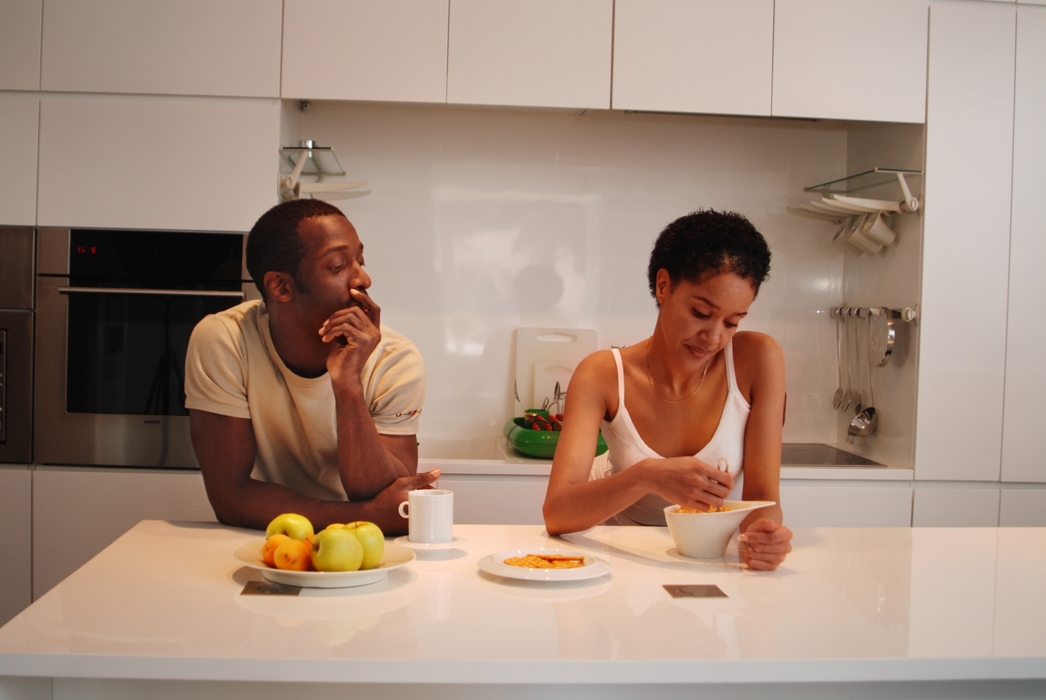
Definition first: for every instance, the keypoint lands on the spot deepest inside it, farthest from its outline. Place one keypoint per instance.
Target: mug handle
(403, 507)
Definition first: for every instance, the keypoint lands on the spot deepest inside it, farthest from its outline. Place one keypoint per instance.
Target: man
(303, 402)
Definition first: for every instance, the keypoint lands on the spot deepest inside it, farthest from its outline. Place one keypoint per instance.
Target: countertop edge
(444, 671)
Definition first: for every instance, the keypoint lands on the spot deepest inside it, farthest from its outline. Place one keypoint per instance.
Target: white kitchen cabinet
(190, 47)
(157, 162)
(966, 241)
(955, 507)
(1022, 507)
(531, 53)
(501, 500)
(840, 504)
(78, 512)
(20, 117)
(850, 59)
(693, 56)
(16, 563)
(1022, 454)
(391, 51)
(20, 44)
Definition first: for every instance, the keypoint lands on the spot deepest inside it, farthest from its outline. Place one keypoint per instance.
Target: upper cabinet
(392, 51)
(539, 53)
(966, 240)
(694, 56)
(157, 162)
(850, 59)
(191, 47)
(20, 44)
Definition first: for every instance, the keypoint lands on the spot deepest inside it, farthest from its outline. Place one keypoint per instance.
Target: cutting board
(545, 356)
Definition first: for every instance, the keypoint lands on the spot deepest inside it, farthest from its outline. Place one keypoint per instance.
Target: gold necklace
(646, 358)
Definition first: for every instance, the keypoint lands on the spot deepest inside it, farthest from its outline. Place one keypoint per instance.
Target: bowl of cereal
(702, 534)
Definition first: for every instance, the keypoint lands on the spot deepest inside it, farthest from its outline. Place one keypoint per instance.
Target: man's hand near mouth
(355, 331)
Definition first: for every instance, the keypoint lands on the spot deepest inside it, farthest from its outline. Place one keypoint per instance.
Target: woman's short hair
(273, 244)
(705, 243)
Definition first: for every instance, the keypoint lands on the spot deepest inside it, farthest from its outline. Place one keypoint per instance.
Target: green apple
(372, 539)
(336, 550)
(295, 526)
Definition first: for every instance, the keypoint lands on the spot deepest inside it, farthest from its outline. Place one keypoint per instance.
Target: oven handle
(153, 292)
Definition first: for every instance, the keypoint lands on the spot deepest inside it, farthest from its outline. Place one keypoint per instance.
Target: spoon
(848, 394)
(865, 422)
(837, 400)
(857, 392)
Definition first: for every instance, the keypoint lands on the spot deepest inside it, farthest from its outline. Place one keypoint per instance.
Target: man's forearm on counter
(365, 463)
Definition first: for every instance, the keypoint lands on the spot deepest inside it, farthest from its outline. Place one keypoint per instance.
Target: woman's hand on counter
(764, 545)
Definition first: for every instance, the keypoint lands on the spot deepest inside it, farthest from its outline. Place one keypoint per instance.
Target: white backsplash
(481, 221)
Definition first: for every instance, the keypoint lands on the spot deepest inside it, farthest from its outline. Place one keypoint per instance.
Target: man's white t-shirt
(233, 369)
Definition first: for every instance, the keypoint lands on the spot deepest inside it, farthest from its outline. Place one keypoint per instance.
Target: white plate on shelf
(494, 564)
(455, 543)
(394, 557)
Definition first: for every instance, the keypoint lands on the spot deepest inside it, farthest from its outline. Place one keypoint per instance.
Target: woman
(692, 414)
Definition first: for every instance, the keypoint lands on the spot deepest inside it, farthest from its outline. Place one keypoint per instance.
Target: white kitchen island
(861, 612)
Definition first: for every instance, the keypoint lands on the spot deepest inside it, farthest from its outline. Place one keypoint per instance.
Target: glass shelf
(863, 181)
(321, 160)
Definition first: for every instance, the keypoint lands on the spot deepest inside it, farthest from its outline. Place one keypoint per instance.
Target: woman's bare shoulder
(755, 345)
(756, 355)
(598, 367)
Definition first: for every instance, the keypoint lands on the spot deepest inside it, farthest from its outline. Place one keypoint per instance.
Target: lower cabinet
(16, 562)
(496, 499)
(846, 504)
(956, 506)
(517, 499)
(78, 512)
(1022, 507)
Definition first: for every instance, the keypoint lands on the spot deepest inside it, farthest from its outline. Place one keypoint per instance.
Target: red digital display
(87, 249)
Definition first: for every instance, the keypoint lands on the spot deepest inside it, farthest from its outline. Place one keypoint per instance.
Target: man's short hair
(274, 245)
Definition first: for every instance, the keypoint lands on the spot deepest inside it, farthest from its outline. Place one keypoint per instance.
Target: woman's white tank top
(626, 446)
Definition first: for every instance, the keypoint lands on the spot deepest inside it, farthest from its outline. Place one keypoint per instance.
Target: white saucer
(404, 541)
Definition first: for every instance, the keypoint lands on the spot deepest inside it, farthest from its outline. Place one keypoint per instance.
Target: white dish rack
(863, 224)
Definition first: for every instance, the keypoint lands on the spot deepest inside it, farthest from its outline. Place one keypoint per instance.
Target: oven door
(110, 373)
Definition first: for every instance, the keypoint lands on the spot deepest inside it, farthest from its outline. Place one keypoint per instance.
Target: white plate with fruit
(341, 555)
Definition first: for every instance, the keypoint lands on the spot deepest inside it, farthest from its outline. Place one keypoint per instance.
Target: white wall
(481, 221)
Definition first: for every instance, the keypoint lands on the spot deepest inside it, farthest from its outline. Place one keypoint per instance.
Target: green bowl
(538, 443)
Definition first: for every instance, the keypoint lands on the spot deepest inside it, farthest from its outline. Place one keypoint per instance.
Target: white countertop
(164, 602)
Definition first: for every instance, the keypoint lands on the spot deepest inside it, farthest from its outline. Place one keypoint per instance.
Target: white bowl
(706, 535)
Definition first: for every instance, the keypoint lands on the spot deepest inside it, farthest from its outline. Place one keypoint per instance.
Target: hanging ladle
(865, 422)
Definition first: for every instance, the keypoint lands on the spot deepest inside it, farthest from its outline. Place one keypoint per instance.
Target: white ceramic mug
(431, 515)
(860, 239)
(876, 228)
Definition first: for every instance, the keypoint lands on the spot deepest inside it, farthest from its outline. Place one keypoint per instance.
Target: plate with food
(394, 556)
(544, 564)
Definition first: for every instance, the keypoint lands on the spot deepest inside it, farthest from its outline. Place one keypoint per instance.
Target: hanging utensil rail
(907, 314)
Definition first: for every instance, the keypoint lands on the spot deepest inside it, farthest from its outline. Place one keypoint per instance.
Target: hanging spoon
(857, 360)
(848, 394)
(837, 400)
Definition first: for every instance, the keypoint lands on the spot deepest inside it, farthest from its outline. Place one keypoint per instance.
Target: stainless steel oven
(115, 309)
(17, 253)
